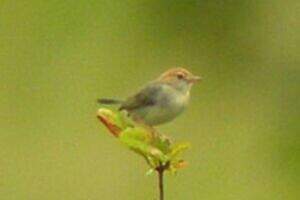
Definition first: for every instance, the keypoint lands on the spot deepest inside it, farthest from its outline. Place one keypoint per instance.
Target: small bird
(161, 100)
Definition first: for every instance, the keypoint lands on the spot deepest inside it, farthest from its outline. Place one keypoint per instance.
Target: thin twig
(160, 171)
(161, 184)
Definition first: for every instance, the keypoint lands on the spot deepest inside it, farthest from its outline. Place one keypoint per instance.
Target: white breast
(172, 103)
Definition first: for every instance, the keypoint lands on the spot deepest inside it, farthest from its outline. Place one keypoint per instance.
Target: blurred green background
(58, 57)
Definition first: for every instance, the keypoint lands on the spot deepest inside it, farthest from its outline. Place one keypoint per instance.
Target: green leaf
(162, 143)
(123, 121)
(178, 149)
(138, 140)
(136, 133)
(150, 171)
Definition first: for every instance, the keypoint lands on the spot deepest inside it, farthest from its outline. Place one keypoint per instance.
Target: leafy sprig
(154, 147)
(158, 151)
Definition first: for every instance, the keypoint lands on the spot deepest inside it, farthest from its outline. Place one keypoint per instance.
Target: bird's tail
(109, 101)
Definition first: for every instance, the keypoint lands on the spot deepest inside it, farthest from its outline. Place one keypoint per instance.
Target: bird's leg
(153, 131)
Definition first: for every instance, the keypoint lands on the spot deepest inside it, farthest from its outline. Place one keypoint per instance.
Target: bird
(161, 100)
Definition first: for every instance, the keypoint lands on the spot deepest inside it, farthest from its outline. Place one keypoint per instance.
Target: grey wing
(146, 97)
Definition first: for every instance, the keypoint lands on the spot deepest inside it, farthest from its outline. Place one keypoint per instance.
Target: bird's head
(179, 78)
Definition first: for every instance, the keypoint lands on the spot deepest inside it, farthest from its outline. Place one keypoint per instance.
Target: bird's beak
(195, 79)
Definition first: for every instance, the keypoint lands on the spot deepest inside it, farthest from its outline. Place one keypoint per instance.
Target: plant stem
(161, 183)
(160, 171)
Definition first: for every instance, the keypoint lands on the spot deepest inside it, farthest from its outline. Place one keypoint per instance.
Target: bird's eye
(180, 76)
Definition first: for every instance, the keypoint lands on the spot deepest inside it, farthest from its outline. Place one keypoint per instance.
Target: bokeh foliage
(58, 57)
